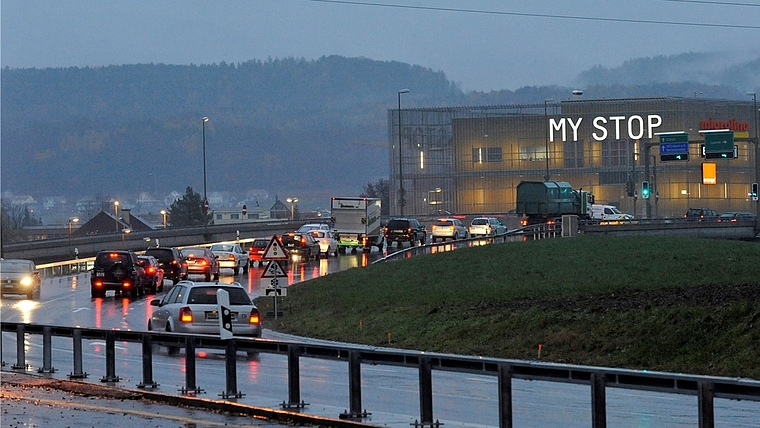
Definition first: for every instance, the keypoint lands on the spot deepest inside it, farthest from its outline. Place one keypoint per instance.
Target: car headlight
(26, 281)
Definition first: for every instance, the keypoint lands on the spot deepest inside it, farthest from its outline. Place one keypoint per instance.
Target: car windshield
(308, 227)
(260, 243)
(397, 224)
(109, 259)
(444, 223)
(160, 254)
(194, 252)
(615, 211)
(479, 221)
(222, 247)
(15, 266)
(207, 295)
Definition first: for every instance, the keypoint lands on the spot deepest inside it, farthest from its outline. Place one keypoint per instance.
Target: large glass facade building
(469, 160)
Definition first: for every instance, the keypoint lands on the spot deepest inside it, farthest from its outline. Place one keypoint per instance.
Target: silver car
(191, 307)
(487, 227)
(232, 256)
(449, 228)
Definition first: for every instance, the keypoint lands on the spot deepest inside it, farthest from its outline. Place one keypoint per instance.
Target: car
(231, 256)
(300, 244)
(403, 229)
(20, 276)
(256, 250)
(154, 274)
(308, 227)
(486, 226)
(191, 307)
(171, 261)
(733, 217)
(701, 214)
(327, 243)
(452, 228)
(201, 261)
(117, 270)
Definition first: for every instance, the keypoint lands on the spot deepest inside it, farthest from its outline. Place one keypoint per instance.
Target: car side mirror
(155, 302)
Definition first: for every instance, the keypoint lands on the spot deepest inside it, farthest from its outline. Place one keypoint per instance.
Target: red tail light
(98, 283)
(126, 284)
(185, 314)
(203, 262)
(523, 222)
(254, 318)
(151, 270)
(231, 257)
(174, 262)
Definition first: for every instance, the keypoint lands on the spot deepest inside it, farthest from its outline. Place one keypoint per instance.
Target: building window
(218, 216)
(486, 154)
(615, 153)
(573, 154)
(235, 216)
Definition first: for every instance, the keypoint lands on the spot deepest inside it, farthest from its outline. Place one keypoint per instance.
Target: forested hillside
(289, 126)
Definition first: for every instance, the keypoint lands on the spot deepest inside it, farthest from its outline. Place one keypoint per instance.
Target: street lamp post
(401, 191)
(72, 220)
(757, 143)
(546, 136)
(203, 134)
(116, 213)
(163, 213)
(292, 202)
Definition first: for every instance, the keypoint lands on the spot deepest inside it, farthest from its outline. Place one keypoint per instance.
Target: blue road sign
(674, 148)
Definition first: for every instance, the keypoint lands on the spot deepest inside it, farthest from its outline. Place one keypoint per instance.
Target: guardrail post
(190, 387)
(505, 396)
(147, 362)
(598, 401)
(77, 349)
(230, 358)
(426, 391)
(110, 359)
(355, 387)
(706, 393)
(47, 351)
(294, 379)
(20, 350)
(2, 361)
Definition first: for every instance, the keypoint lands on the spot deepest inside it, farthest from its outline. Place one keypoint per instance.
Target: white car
(451, 228)
(327, 243)
(231, 256)
(487, 226)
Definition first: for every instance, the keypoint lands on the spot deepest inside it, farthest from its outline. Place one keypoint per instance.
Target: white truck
(356, 223)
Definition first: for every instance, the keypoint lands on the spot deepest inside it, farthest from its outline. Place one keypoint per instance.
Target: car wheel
(236, 271)
(134, 292)
(245, 268)
(171, 350)
(456, 237)
(207, 275)
(153, 286)
(216, 276)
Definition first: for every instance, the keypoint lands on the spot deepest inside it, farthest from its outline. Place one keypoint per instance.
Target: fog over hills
(291, 127)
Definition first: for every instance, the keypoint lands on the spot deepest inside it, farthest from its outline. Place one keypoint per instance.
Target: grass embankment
(669, 304)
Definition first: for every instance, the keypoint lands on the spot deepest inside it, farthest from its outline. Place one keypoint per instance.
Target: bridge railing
(706, 388)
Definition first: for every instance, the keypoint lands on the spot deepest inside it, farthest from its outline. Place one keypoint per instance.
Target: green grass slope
(657, 303)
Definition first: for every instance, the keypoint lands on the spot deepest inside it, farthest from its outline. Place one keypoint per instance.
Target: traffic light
(645, 189)
(629, 188)
(754, 191)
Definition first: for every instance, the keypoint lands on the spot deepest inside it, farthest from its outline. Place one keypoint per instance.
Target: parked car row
(708, 214)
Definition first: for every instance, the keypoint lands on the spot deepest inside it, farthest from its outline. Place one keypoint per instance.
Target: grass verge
(657, 303)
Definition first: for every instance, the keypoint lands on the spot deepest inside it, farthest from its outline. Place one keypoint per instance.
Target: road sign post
(674, 146)
(270, 280)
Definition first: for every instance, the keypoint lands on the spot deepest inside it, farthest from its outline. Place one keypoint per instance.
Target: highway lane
(389, 393)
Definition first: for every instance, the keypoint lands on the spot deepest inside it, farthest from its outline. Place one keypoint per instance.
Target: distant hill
(294, 127)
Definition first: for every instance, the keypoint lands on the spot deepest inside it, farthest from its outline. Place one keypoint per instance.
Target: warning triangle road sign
(275, 250)
(273, 270)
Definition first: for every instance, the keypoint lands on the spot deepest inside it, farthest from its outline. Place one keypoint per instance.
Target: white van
(608, 212)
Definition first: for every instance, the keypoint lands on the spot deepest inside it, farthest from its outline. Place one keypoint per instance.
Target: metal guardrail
(706, 388)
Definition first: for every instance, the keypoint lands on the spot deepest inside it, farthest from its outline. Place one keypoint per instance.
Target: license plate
(100, 274)
(212, 315)
(8, 286)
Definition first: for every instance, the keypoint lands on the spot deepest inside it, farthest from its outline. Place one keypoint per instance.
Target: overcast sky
(480, 44)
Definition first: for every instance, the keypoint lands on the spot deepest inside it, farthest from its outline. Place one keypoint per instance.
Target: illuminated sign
(635, 127)
(732, 124)
(709, 173)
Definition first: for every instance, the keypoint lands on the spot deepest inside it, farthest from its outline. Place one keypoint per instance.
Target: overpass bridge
(51, 250)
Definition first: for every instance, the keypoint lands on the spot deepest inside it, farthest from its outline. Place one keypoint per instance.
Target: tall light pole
(401, 191)
(203, 133)
(163, 213)
(72, 220)
(757, 143)
(292, 202)
(116, 213)
(546, 136)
